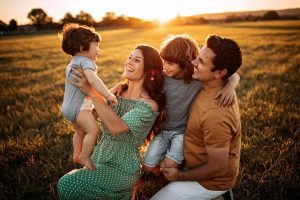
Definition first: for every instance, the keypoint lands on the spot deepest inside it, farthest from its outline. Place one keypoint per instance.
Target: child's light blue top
(73, 97)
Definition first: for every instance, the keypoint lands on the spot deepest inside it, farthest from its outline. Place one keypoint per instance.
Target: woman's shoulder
(147, 102)
(152, 103)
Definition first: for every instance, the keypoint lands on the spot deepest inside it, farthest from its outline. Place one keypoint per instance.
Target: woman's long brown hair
(154, 82)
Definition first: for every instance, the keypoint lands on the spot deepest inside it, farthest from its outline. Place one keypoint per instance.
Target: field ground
(35, 141)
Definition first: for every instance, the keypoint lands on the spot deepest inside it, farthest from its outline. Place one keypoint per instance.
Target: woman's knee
(62, 184)
(65, 187)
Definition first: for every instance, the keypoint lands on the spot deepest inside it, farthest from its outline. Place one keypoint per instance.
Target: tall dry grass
(35, 141)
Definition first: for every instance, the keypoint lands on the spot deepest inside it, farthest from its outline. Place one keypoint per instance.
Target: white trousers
(186, 190)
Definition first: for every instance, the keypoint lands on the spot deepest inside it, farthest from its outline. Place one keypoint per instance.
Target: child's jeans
(165, 144)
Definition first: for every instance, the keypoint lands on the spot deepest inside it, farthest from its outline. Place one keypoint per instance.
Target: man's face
(203, 65)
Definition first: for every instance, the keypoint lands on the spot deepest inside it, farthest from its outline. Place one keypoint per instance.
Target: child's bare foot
(86, 161)
(76, 159)
(156, 171)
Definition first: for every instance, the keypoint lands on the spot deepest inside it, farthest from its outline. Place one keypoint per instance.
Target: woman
(125, 126)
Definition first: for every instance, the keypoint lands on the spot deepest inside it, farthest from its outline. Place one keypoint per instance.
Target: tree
(68, 18)
(108, 19)
(3, 26)
(38, 17)
(12, 26)
(271, 15)
(84, 18)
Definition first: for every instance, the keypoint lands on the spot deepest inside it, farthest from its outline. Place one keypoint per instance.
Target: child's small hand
(226, 96)
(117, 89)
(112, 98)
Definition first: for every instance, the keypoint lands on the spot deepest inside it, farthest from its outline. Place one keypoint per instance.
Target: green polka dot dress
(117, 158)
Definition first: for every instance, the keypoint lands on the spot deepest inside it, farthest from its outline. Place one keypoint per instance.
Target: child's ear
(221, 73)
(81, 49)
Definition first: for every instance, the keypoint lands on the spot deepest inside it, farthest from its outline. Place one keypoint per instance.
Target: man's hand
(78, 79)
(172, 174)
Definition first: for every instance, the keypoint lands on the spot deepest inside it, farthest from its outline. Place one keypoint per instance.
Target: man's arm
(216, 165)
(217, 136)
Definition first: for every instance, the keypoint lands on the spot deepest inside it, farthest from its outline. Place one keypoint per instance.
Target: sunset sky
(146, 9)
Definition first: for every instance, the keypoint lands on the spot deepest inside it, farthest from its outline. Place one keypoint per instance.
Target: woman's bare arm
(111, 120)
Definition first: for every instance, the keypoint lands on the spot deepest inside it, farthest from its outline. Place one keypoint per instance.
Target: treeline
(269, 15)
(41, 21)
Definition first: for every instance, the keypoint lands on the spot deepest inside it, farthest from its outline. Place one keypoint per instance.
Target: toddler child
(82, 43)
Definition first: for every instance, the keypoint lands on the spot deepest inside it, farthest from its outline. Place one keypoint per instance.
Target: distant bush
(12, 26)
(271, 15)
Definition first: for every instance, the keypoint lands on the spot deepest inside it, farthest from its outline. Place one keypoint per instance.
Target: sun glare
(159, 10)
(152, 12)
(163, 17)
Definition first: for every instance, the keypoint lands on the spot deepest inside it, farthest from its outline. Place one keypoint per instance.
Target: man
(212, 141)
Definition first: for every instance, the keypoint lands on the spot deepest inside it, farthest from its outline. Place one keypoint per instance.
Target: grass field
(35, 141)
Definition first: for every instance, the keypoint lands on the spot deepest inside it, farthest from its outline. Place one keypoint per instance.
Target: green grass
(35, 141)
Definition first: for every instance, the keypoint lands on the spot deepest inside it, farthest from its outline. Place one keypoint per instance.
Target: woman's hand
(78, 79)
(226, 96)
(94, 112)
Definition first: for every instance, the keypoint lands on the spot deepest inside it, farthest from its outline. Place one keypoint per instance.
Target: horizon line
(154, 19)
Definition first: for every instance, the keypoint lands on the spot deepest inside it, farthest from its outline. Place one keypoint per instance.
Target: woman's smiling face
(134, 66)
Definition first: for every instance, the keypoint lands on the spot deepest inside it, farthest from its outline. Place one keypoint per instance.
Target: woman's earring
(152, 74)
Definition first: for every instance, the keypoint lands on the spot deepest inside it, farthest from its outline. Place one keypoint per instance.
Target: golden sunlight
(161, 10)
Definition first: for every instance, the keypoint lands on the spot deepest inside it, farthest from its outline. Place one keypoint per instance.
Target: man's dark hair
(77, 37)
(228, 54)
